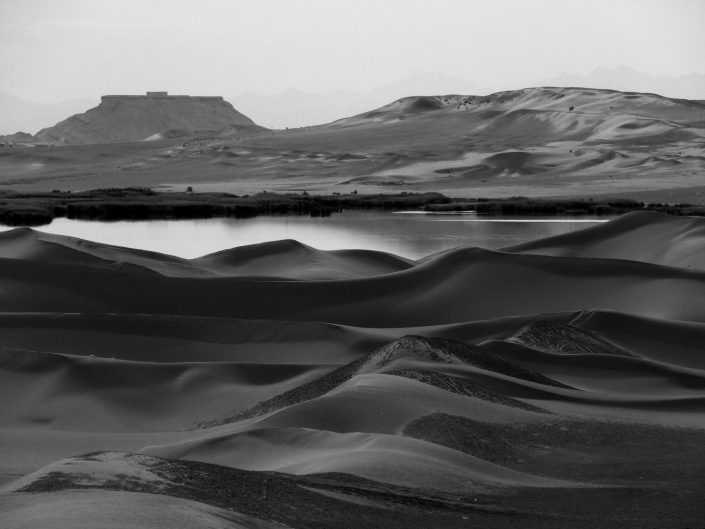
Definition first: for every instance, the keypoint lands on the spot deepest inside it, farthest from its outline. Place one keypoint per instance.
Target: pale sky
(54, 50)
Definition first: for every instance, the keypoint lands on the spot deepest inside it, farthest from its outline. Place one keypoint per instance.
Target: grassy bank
(36, 209)
(587, 206)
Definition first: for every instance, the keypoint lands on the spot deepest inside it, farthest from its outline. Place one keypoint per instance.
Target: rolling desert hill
(531, 142)
(559, 383)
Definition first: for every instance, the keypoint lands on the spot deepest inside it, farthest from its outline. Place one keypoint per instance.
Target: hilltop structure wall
(157, 95)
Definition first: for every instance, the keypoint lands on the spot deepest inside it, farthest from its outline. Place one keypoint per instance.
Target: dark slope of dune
(493, 389)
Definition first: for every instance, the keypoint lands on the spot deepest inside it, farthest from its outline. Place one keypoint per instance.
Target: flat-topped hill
(125, 118)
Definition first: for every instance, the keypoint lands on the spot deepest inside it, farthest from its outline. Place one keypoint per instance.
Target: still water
(411, 235)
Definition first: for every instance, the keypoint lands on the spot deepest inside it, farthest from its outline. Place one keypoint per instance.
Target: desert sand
(560, 383)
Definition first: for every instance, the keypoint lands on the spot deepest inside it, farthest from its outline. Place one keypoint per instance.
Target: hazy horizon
(58, 51)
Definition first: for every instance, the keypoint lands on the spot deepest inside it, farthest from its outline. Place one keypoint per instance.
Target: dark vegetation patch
(36, 209)
(527, 206)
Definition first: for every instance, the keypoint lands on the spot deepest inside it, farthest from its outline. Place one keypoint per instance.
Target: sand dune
(474, 386)
(640, 236)
(278, 259)
(53, 389)
(98, 509)
(235, 498)
(293, 260)
(462, 285)
(391, 459)
(303, 425)
(165, 338)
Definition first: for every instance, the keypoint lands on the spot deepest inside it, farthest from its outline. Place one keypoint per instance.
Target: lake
(409, 234)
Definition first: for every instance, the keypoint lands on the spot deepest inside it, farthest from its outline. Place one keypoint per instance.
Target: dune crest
(638, 236)
(292, 260)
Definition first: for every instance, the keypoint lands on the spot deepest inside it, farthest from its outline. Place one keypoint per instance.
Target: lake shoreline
(38, 209)
(412, 235)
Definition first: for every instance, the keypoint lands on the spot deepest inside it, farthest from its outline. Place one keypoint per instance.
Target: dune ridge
(56, 284)
(284, 259)
(637, 236)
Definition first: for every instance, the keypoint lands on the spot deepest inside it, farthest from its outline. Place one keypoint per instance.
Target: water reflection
(409, 235)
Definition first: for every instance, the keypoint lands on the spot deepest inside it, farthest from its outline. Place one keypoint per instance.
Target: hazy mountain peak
(18, 114)
(625, 78)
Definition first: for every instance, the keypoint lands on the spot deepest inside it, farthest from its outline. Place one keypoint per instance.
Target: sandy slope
(53, 387)
(494, 388)
(98, 510)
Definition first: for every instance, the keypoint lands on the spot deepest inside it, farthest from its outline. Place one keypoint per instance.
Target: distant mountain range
(295, 108)
(20, 115)
(626, 79)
